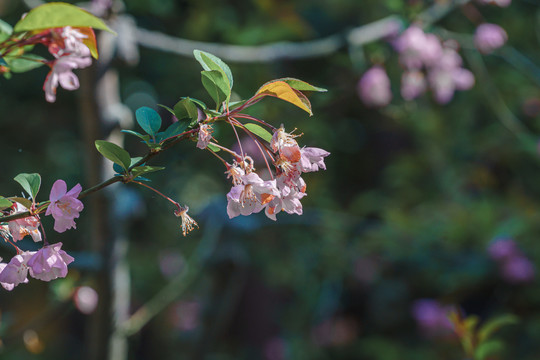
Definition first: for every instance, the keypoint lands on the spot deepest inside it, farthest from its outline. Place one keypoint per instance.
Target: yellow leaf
(284, 91)
(90, 40)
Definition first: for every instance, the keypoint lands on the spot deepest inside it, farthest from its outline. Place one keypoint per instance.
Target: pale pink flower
(413, 84)
(251, 196)
(502, 249)
(444, 82)
(205, 135)
(374, 87)
(16, 271)
(26, 226)
(73, 42)
(49, 263)
(288, 199)
(489, 37)
(410, 46)
(313, 159)
(61, 73)
(284, 143)
(517, 269)
(64, 206)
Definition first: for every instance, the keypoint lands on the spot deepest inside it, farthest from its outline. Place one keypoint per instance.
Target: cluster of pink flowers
(489, 37)
(69, 51)
(251, 194)
(428, 62)
(513, 265)
(49, 262)
(374, 87)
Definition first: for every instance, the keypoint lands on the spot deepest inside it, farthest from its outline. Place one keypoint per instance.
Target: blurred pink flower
(413, 84)
(49, 263)
(518, 269)
(86, 299)
(489, 37)
(374, 87)
(61, 73)
(64, 206)
(432, 317)
(503, 248)
(186, 315)
(501, 3)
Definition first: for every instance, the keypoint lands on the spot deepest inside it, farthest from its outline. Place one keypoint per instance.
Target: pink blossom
(73, 42)
(49, 263)
(502, 249)
(61, 73)
(432, 317)
(444, 82)
(205, 135)
(313, 159)
(518, 269)
(288, 199)
(417, 48)
(489, 37)
(374, 87)
(64, 206)
(284, 143)
(413, 84)
(26, 226)
(250, 197)
(16, 271)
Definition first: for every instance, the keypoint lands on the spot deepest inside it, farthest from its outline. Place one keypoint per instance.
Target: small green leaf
(148, 119)
(135, 160)
(494, 325)
(212, 62)
(30, 183)
(145, 138)
(216, 84)
(198, 102)
(166, 108)
(488, 348)
(213, 147)
(24, 202)
(259, 131)
(141, 170)
(186, 109)
(114, 153)
(174, 129)
(4, 203)
(56, 14)
(24, 63)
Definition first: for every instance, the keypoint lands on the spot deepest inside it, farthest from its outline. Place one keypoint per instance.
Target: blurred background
(423, 207)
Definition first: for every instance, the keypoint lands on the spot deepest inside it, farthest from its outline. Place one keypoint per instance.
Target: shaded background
(413, 196)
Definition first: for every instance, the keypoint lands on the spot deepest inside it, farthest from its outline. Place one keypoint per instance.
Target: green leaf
(24, 202)
(5, 30)
(487, 349)
(30, 183)
(148, 119)
(166, 108)
(174, 129)
(301, 85)
(24, 63)
(213, 147)
(212, 62)
(198, 102)
(141, 170)
(494, 325)
(186, 109)
(259, 131)
(4, 203)
(216, 84)
(56, 14)
(114, 153)
(145, 138)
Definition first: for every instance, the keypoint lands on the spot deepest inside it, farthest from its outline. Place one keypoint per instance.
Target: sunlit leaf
(5, 203)
(56, 14)
(212, 62)
(216, 84)
(301, 85)
(90, 40)
(114, 153)
(259, 131)
(29, 182)
(5, 30)
(284, 91)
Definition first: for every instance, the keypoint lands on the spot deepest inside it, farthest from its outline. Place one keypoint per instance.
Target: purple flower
(518, 269)
(61, 73)
(26, 226)
(502, 249)
(16, 271)
(489, 37)
(205, 135)
(416, 48)
(374, 87)
(312, 159)
(49, 263)
(445, 81)
(413, 84)
(64, 207)
(431, 317)
(251, 196)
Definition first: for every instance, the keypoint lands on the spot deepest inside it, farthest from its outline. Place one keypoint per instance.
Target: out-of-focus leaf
(494, 325)
(24, 63)
(56, 14)
(5, 30)
(488, 348)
